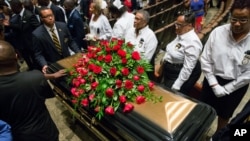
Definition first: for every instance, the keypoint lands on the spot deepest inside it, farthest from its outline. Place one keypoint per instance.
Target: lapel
(60, 34)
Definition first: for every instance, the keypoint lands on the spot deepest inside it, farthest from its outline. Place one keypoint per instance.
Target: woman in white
(125, 20)
(99, 26)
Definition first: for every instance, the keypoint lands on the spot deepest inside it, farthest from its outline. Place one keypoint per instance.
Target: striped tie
(56, 41)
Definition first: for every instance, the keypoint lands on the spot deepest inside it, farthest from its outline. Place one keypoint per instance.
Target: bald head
(7, 55)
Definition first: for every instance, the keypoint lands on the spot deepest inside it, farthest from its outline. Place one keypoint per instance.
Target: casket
(176, 118)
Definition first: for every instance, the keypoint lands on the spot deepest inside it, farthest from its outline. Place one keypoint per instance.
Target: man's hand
(219, 91)
(44, 69)
(55, 75)
(59, 73)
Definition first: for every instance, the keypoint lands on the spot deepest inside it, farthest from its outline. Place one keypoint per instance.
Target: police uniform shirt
(224, 57)
(184, 49)
(145, 43)
(123, 24)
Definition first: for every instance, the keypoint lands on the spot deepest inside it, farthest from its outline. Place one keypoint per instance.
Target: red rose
(118, 83)
(108, 58)
(109, 92)
(128, 108)
(120, 42)
(122, 99)
(104, 42)
(100, 58)
(140, 69)
(110, 110)
(151, 85)
(136, 78)
(140, 88)
(140, 99)
(121, 53)
(128, 84)
(108, 49)
(82, 71)
(85, 102)
(91, 97)
(91, 67)
(125, 71)
(94, 85)
(124, 61)
(76, 82)
(130, 45)
(112, 71)
(74, 92)
(136, 55)
(116, 47)
(97, 69)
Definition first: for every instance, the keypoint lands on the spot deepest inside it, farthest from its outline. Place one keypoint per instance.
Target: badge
(178, 46)
(246, 58)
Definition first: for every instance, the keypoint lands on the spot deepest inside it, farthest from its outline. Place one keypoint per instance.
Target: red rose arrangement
(109, 76)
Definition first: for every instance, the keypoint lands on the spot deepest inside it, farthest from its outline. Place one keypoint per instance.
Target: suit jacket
(59, 15)
(76, 28)
(44, 48)
(21, 30)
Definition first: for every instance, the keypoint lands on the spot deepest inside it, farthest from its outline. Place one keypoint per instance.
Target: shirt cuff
(177, 84)
(212, 80)
(229, 87)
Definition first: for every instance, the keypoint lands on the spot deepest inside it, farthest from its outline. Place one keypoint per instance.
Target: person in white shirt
(181, 68)
(141, 36)
(225, 63)
(125, 20)
(99, 26)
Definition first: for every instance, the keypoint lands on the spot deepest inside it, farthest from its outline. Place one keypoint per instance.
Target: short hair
(42, 9)
(145, 15)
(189, 16)
(240, 4)
(114, 10)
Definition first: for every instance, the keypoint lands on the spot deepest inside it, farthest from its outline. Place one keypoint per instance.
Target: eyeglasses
(242, 21)
(178, 25)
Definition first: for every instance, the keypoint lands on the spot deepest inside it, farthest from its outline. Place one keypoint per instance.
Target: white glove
(219, 91)
(175, 88)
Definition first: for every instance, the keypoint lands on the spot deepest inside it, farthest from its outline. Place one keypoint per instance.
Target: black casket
(176, 118)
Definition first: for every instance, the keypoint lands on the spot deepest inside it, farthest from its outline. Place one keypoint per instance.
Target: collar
(185, 35)
(142, 30)
(48, 28)
(72, 12)
(21, 13)
(49, 5)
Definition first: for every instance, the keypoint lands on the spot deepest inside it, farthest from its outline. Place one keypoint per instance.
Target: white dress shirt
(184, 49)
(123, 24)
(145, 43)
(224, 57)
(100, 28)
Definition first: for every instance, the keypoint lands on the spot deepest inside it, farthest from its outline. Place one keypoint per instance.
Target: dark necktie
(56, 41)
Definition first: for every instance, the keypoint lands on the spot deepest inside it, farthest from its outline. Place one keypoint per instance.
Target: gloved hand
(219, 91)
(175, 88)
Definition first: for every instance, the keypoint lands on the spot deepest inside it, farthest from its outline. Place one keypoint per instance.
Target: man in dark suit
(44, 46)
(21, 26)
(59, 15)
(75, 23)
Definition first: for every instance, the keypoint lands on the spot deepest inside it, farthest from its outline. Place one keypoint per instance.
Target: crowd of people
(43, 32)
